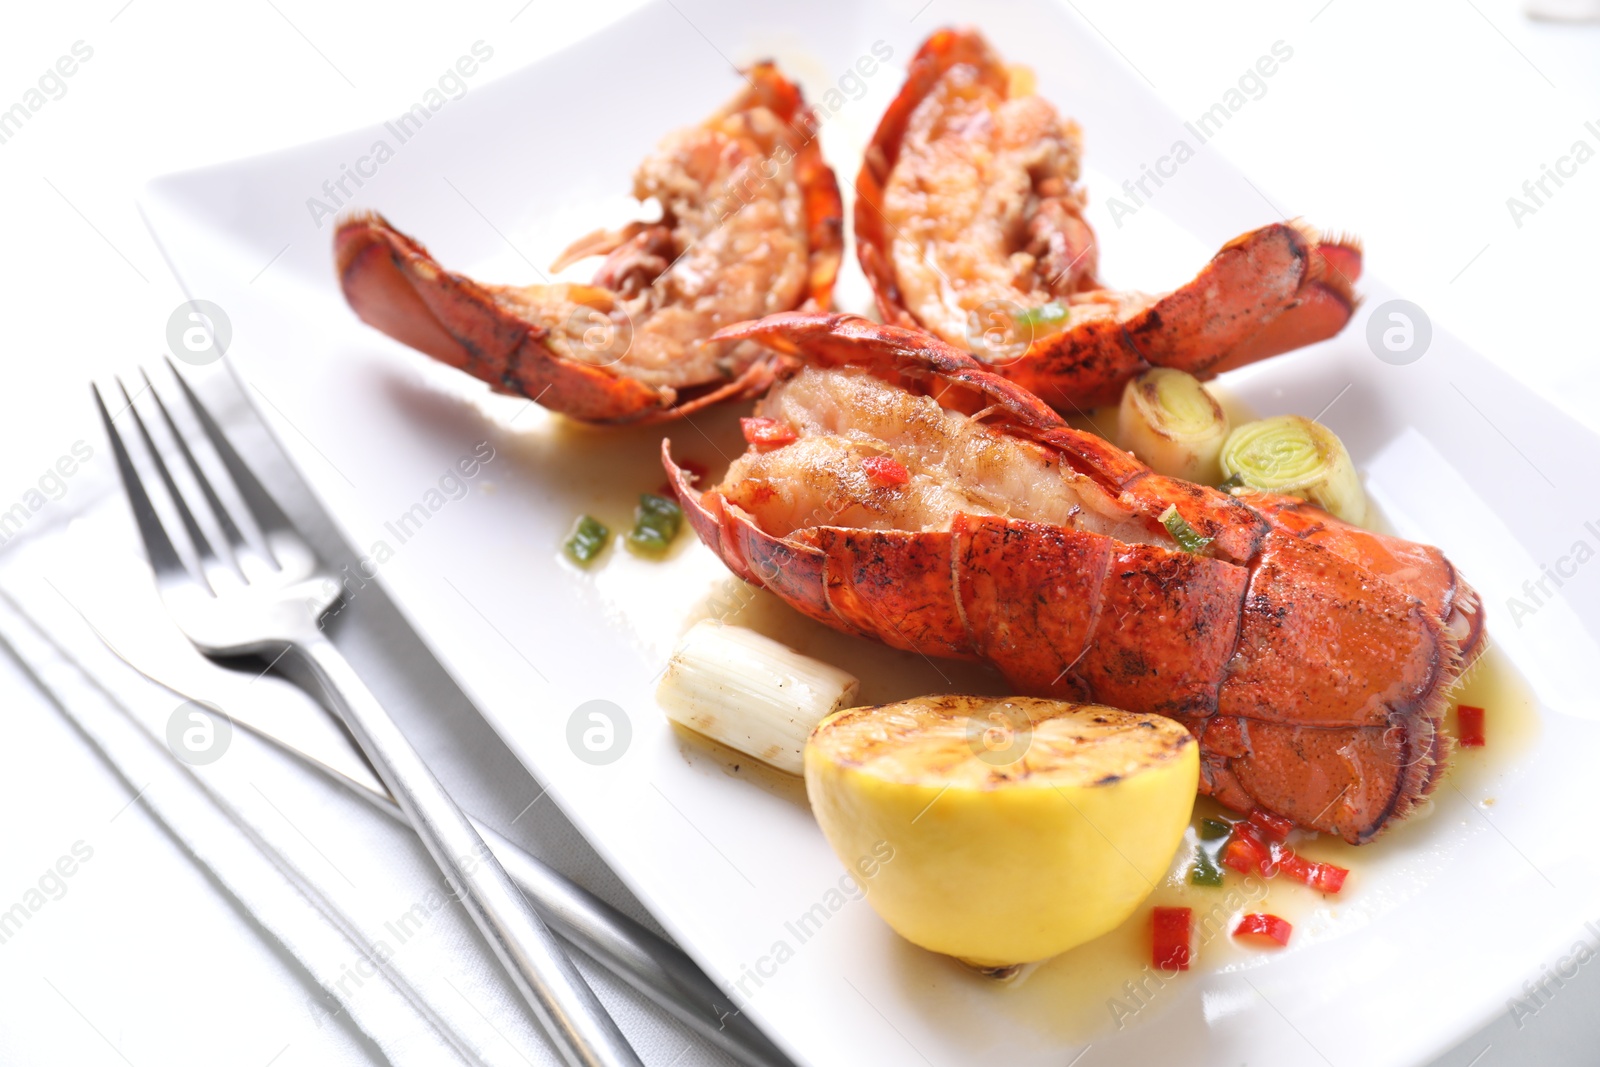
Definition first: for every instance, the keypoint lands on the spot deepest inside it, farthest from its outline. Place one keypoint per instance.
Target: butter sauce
(1109, 984)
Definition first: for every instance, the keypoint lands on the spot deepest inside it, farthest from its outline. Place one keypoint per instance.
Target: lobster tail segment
(918, 499)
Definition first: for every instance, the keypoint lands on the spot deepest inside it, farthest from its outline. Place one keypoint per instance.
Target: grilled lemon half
(1014, 829)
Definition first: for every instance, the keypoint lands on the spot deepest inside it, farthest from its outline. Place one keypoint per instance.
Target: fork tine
(157, 545)
(224, 519)
(197, 536)
(268, 515)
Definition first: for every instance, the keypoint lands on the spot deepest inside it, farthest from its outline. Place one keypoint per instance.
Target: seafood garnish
(751, 223)
(970, 224)
(1311, 658)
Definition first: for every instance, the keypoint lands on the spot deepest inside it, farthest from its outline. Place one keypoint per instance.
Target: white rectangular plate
(1442, 920)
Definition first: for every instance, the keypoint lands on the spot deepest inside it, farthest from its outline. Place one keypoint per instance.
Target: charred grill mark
(1131, 664)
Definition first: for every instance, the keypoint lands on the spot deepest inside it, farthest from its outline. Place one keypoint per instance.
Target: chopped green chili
(1187, 536)
(588, 539)
(1205, 870)
(1214, 829)
(656, 522)
(1049, 315)
(1232, 482)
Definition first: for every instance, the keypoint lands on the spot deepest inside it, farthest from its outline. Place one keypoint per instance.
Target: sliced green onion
(588, 539)
(1050, 316)
(1187, 536)
(656, 522)
(1170, 422)
(1205, 870)
(1214, 829)
(1230, 483)
(1293, 455)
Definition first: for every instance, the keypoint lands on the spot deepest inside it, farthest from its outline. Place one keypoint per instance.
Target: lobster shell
(395, 285)
(1311, 658)
(1265, 292)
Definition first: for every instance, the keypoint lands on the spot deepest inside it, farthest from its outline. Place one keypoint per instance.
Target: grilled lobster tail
(969, 222)
(931, 504)
(751, 223)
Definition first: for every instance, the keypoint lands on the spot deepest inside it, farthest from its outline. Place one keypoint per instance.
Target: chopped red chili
(1324, 877)
(1247, 853)
(1170, 938)
(766, 433)
(1256, 924)
(885, 471)
(1469, 726)
(1273, 827)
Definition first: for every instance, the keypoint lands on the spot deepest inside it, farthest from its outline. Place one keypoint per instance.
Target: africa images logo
(451, 85)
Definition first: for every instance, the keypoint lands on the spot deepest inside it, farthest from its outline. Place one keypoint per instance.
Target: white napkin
(352, 895)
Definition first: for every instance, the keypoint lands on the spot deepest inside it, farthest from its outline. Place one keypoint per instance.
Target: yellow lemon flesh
(1014, 829)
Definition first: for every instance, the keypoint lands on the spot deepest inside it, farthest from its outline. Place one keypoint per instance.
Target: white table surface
(1410, 123)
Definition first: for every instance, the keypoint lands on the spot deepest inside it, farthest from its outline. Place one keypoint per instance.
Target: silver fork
(270, 603)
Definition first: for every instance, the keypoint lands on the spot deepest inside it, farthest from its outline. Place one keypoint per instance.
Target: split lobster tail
(751, 224)
(970, 224)
(918, 498)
